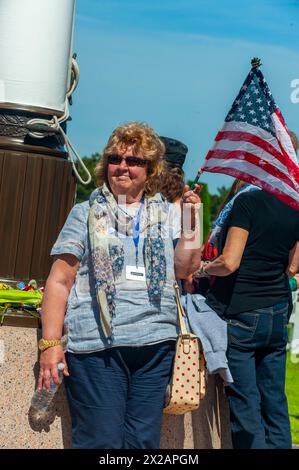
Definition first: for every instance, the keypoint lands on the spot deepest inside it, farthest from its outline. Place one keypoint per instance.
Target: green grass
(292, 391)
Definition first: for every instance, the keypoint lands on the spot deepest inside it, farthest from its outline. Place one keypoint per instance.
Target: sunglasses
(130, 161)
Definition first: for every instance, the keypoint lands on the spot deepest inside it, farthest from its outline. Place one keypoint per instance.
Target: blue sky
(178, 65)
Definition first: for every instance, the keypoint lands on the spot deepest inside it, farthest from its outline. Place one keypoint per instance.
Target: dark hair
(172, 182)
(235, 188)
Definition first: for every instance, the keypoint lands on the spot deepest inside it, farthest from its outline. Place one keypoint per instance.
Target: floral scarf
(107, 250)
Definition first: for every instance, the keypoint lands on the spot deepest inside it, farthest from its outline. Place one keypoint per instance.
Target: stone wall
(19, 428)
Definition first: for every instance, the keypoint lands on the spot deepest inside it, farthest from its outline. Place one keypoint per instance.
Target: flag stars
(253, 105)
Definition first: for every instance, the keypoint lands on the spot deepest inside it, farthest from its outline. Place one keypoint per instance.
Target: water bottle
(42, 399)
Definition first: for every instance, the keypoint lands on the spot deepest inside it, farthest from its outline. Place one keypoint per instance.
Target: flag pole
(192, 186)
(255, 63)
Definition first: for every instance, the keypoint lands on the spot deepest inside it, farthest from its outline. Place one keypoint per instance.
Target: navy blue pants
(257, 359)
(116, 396)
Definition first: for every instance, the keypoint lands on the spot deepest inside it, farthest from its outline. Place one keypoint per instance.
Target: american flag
(254, 144)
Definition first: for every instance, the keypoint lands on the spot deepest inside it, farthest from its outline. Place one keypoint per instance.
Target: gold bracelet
(44, 344)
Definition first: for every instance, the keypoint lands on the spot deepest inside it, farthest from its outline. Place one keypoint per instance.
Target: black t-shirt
(261, 280)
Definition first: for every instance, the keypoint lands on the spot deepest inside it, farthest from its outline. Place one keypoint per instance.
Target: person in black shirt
(257, 250)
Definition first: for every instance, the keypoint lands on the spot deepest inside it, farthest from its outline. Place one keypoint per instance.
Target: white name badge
(135, 274)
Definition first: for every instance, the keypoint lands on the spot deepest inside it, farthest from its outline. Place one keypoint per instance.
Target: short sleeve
(72, 238)
(242, 213)
(174, 222)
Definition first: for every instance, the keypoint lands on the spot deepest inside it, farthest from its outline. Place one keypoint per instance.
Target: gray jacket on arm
(212, 332)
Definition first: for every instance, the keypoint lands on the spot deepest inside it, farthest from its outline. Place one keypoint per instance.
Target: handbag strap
(181, 313)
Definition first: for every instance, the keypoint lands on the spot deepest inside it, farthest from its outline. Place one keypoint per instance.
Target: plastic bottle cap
(60, 366)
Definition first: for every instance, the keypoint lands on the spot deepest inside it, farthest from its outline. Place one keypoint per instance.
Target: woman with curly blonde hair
(113, 275)
(144, 143)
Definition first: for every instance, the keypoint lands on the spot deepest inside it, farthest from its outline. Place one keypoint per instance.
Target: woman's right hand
(49, 359)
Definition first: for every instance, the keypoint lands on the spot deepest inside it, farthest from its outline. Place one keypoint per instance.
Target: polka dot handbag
(187, 386)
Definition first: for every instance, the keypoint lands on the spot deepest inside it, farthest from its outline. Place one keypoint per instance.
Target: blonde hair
(294, 140)
(145, 143)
